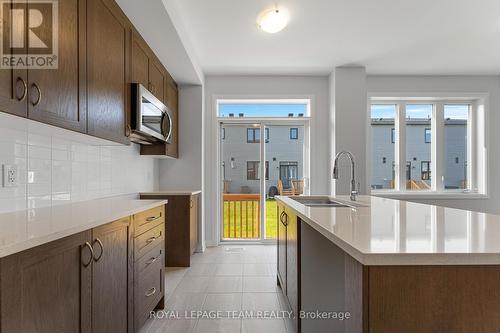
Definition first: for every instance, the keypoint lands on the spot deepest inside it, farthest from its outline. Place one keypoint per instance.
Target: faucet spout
(354, 191)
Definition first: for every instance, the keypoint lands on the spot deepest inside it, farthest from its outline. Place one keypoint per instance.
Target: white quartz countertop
(25, 229)
(172, 192)
(380, 231)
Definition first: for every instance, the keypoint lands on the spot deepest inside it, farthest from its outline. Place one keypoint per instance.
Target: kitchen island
(390, 265)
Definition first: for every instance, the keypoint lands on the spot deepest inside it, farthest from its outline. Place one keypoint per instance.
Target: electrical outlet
(10, 175)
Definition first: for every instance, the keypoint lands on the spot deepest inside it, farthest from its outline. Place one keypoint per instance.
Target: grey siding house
(241, 153)
(418, 152)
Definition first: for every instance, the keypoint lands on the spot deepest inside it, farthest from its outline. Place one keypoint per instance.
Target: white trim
(427, 195)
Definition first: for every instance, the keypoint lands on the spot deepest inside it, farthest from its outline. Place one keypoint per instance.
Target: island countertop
(22, 230)
(380, 231)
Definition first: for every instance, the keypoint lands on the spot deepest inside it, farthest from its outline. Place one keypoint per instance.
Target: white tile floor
(224, 278)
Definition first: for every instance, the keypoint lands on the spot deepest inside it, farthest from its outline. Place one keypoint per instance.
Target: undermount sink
(320, 202)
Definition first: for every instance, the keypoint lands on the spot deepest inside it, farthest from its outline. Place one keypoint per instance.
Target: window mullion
(400, 146)
(437, 148)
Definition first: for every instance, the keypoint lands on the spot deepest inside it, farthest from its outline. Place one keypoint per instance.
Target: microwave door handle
(169, 127)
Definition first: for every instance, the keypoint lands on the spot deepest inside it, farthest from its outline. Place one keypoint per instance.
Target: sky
(415, 111)
(262, 110)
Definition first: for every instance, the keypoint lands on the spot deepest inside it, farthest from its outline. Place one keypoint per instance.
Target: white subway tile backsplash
(56, 166)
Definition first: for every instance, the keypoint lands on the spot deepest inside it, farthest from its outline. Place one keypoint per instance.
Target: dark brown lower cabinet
(48, 288)
(84, 282)
(181, 231)
(288, 266)
(112, 285)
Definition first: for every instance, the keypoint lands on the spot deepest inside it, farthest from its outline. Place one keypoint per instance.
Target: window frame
(428, 172)
(477, 144)
(256, 138)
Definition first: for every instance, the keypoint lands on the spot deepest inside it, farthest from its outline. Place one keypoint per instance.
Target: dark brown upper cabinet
(54, 96)
(13, 82)
(58, 96)
(107, 70)
(145, 68)
(172, 96)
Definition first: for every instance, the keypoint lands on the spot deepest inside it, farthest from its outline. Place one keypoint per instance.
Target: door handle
(98, 241)
(87, 245)
(35, 103)
(25, 89)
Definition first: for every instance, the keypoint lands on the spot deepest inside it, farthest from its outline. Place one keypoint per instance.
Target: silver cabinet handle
(151, 239)
(152, 260)
(98, 241)
(25, 89)
(191, 203)
(34, 85)
(152, 218)
(284, 218)
(87, 245)
(150, 292)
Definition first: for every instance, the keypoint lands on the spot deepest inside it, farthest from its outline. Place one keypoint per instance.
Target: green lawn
(243, 229)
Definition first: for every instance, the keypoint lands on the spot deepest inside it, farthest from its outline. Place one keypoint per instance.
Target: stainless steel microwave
(151, 119)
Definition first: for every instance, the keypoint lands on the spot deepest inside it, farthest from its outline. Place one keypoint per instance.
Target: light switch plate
(10, 175)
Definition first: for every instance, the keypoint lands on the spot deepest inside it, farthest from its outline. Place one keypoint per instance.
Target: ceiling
(386, 36)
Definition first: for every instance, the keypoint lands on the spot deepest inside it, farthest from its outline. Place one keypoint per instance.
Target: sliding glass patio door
(259, 160)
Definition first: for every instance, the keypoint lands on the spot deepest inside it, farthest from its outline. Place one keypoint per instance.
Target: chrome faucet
(354, 190)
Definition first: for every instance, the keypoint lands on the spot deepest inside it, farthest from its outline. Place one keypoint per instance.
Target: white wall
(313, 87)
(348, 125)
(455, 84)
(57, 166)
(185, 173)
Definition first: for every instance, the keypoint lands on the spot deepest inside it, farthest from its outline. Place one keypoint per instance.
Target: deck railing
(241, 216)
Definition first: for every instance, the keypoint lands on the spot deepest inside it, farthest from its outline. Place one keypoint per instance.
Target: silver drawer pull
(152, 218)
(152, 260)
(150, 292)
(152, 239)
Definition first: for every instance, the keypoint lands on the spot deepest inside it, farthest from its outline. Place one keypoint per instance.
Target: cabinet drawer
(146, 220)
(148, 241)
(148, 291)
(150, 258)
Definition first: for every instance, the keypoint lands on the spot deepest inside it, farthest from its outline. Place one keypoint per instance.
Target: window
(223, 133)
(262, 108)
(425, 170)
(294, 133)
(382, 130)
(253, 170)
(418, 121)
(253, 135)
(427, 135)
(456, 119)
(288, 171)
(443, 139)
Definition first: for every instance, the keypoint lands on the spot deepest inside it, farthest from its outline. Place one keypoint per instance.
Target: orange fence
(241, 216)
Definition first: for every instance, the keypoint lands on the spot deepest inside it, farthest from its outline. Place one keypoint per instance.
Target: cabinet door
(139, 60)
(292, 261)
(193, 216)
(13, 82)
(48, 289)
(157, 80)
(173, 104)
(281, 239)
(58, 96)
(110, 282)
(107, 73)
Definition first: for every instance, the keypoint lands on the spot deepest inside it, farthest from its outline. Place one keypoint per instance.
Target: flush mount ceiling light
(272, 20)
